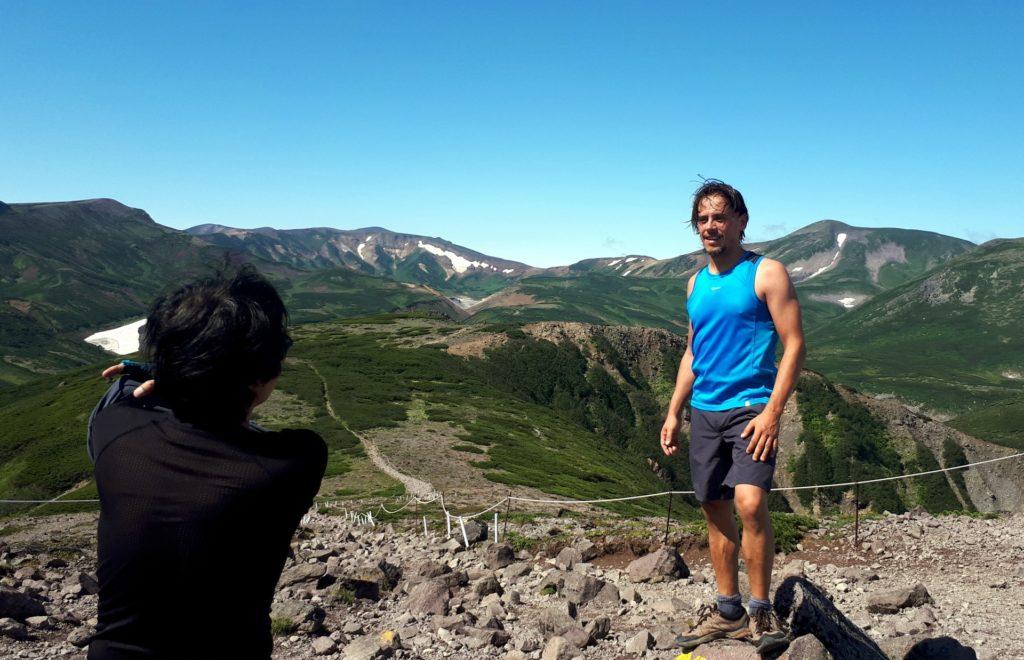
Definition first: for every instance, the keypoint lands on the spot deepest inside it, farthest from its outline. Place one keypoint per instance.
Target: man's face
(719, 227)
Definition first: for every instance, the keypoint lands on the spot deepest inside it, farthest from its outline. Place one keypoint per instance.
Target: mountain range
(886, 310)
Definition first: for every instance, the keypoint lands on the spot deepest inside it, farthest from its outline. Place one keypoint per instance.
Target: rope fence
(367, 518)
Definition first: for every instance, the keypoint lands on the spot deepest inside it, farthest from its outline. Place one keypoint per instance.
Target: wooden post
(668, 518)
(856, 514)
(508, 509)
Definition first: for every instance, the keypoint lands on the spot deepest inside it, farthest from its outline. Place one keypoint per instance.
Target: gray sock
(755, 604)
(731, 607)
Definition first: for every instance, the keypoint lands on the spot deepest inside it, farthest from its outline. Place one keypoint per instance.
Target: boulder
(894, 600)
(921, 647)
(499, 555)
(487, 585)
(19, 606)
(581, 589)
(80, 637)
(806, 647)
(371, 647)
(639, 643)
(13, 629)
(557, 619)
(304, 616)
(430, 597)
(568, 558)
(598, 628)
(301, 573)
(588, 549)
(558, 648)
(476, 531)
(324, 646)
(662, 565)
(726, 649)
(808, 611)
(89, 583)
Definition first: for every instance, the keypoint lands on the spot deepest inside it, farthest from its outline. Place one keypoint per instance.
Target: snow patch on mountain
(840, 239)
(122, 340)
(459, 263)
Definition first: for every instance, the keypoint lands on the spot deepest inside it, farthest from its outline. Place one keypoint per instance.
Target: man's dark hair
(733, 198)
(211, 339)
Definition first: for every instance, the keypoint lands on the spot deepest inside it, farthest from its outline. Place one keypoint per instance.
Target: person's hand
(763, 432)
(670, 435)
(140, 391)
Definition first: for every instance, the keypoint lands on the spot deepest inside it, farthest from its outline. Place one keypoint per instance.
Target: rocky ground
(590, 591)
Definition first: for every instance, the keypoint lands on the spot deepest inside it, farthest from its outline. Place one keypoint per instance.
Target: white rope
(437, 497)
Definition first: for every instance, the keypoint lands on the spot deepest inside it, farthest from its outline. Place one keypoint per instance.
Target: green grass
(1001, 422)
(282, 626)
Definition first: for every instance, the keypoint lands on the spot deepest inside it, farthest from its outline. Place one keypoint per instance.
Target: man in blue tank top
(740, 305)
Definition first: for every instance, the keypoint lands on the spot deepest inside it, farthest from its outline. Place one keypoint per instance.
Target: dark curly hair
(210, 340)
(733, 198)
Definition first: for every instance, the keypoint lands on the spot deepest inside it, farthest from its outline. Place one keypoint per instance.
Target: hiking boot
(712, 625)
(767, 632)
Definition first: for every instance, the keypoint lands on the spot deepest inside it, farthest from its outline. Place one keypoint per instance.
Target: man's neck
(726, 259)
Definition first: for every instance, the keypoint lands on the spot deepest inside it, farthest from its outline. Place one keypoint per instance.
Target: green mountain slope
(950, 340)
(69, 269)
(591, 298)
(562, 408)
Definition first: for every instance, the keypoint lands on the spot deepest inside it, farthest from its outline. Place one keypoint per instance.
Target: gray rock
(726, 649)
(609, 595)
(305, 616)
(488, 585)
(476, 531)
(639, 643)
(662, 565)
(598, 628)
(890, 602)
(41, 622)
(517, 570)
(806, 647)
(80, 637)
(558, 648)
(499, 555)
(368, 647)
(664, 638)
(808, 611)
(430, 597)
(16, 605)
(568, 558)
(923, 647)
(581, 589)
(13, 629)
(557, 619)
(301, 573)
(588, 550)
(89, 583)
(578, 637)
(324, 646)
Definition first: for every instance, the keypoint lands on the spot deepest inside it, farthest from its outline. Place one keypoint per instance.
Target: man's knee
(716, 510)
(752, 506)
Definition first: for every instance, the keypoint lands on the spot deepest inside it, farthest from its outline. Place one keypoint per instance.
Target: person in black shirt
(197, 505)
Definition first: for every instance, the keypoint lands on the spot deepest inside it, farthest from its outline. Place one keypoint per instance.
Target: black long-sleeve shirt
(194, 530)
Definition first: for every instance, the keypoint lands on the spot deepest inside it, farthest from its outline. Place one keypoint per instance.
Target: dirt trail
(415, 487)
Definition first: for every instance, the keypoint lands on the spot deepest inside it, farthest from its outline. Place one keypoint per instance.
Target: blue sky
(544, 132)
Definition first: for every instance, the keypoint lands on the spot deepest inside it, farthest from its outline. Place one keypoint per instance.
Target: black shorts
(718, 456)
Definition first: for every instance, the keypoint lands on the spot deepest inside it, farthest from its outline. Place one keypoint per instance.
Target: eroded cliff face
(993, 487)
(643, 350)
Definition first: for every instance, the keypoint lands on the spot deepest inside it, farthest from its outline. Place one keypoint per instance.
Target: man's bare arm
(773, 283)
(682, 392)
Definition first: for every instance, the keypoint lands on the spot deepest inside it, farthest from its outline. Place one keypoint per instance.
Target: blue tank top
(733, 340)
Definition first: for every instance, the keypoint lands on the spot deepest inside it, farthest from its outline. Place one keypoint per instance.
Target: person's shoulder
(772, 268)
(692, 281)
(303, 443)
